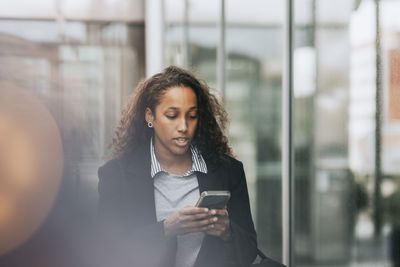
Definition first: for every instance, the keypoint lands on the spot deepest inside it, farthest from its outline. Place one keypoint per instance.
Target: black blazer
(133, 237)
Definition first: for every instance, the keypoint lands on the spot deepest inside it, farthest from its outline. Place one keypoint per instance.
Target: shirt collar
(198, 163)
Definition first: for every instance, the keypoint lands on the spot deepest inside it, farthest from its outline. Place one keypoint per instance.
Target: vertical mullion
(287, 140)
(221, 51)
(186, 52)
(377, 200)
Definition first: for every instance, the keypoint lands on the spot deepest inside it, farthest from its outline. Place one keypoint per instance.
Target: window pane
(253, 93)
(192, 36)
(341, 219)
(254, 49)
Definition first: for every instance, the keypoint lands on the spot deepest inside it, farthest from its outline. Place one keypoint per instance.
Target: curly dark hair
(209, 137)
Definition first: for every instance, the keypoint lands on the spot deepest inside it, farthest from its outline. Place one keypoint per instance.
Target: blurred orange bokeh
(31, 163)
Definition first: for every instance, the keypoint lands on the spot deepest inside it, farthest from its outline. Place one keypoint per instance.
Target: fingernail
(205, 210)
(213, 212)
(215, 219)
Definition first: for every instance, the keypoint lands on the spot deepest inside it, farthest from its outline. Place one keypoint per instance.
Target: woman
(168, 148)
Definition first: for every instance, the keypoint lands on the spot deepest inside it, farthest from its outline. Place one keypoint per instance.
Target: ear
(149, 117)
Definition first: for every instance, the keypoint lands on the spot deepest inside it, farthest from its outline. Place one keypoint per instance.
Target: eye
(193, 116)
(170, 116)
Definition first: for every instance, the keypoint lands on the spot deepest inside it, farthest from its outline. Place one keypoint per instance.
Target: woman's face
(174, 121)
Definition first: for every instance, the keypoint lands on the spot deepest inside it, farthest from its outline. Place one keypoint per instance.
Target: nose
(182, 125)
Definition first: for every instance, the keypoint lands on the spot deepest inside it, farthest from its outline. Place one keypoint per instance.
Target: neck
(175, 164)
(173, 159)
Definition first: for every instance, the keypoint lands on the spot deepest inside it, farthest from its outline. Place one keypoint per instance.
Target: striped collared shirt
(174, 192)
(198, 163)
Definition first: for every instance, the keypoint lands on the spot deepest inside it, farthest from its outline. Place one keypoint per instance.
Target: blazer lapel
(138, 165)
(209, 181)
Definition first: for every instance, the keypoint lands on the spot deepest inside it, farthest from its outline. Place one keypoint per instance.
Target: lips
(181, 141)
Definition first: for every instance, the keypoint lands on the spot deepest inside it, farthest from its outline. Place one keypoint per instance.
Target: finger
(206, 228)
(201, 223)
(203, 228)
(221, 225)
(223, 220)
(199, 216)
(193, 210)
(218, 229)
(212, 212)
(218, 212)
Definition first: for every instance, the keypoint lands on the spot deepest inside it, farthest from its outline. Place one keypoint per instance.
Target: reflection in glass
(339, 66)
(82, 73)
(253, 91)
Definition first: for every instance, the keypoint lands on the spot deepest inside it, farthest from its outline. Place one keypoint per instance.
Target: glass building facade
(82, 59)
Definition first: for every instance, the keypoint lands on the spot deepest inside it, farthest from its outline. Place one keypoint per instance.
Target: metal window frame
(288, 186)
(221, 52)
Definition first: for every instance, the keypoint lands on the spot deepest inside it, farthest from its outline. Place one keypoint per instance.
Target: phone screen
(214, 199)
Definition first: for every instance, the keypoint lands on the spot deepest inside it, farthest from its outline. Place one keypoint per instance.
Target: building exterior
(82, 60)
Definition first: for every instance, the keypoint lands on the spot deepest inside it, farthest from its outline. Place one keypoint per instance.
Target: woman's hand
(189, 220)
(221, 227)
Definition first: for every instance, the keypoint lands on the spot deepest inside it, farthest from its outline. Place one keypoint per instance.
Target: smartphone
(213, 199)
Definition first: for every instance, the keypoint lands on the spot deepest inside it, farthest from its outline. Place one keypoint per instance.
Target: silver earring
(150, 124)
